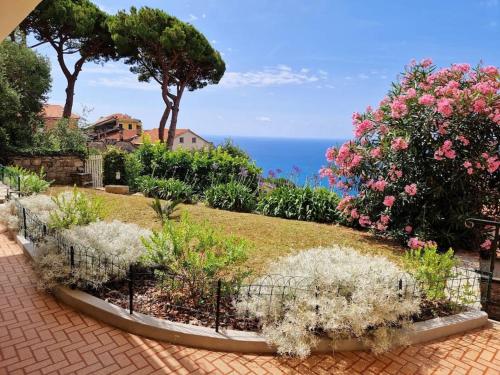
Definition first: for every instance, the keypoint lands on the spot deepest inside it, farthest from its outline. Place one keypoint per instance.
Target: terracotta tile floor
(40, 336)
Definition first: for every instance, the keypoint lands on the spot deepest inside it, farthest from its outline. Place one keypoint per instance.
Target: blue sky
(294, 68)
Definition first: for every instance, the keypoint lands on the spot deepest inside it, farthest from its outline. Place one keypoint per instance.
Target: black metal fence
(12, 179)
(213, 303)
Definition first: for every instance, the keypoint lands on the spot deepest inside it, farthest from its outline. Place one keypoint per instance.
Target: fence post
(400, 288)
(2, 173)
(72, 258)
(19, 185)
(24, 223)
(217, 307)
(131, 288)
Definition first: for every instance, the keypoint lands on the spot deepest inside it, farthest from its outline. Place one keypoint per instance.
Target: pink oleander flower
(445, 151)
(354, 213)
(410, 93)
(490, 70)
(467, 164)
(426, 99)
(344, 202)
(492, 164)
(398, 108)
(385, 219)
(443, 128)
(479, 105)
(325, 172)
(363, 127)
(470, 171)
(464, 140)
(415, 243)
(444, 107)
(380, 227)
(408, 229)
(330, 154)
(486, 245)
(376, 152)
(463, 68)
(364, 221)
(426, 62)
(378, 115)
(389, 200)
(379, 185)
(399, 144)
(411, 189)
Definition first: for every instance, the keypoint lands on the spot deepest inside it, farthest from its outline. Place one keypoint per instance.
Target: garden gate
(93, 165)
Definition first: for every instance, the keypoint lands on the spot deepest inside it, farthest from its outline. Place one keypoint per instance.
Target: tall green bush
(170, 188)
(114, 166)
(300, 203)
(201, 169)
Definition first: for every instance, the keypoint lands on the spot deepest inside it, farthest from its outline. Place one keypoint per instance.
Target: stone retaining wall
(59, 169)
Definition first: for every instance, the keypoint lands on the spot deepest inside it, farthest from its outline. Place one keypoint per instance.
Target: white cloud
(108, 68)
(213, 41)
(192, 17)
(127, 82)
(489, 3)
(348, 78)
(383, 77)
(263, 118)
(363, 76)
(493, 24)
(277, 76)
(203, 15)
(329, 86)
(304, 70)
(323, 73)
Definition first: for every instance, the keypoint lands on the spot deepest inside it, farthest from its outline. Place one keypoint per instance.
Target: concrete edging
(231, 340)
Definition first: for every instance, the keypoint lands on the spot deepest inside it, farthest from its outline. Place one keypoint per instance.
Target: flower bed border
(232, 340)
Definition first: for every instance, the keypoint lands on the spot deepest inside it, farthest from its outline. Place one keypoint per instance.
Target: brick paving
(38, 335)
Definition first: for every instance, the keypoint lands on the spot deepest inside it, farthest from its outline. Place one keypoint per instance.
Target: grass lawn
(269, 237)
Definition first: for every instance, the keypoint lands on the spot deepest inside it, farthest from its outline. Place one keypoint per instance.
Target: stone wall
(59, 169)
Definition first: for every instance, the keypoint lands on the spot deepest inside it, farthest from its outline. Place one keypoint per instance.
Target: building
(115, 126)
(53, 113)
(184, 138)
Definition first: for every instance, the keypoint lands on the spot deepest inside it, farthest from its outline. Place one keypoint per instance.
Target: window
(120, 126)
(130, 126)
(138, 127)
(193, 140)
(181, 139)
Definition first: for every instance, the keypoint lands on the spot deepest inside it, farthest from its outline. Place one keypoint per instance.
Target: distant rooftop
(55, 111)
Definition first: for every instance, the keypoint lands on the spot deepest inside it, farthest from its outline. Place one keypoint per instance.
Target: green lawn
(269, 237)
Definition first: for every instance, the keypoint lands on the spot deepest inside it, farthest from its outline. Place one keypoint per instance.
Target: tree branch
(37, 44)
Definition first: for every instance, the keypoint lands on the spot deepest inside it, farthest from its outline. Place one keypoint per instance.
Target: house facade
(53, 113)
(117, 126)
(184, 138)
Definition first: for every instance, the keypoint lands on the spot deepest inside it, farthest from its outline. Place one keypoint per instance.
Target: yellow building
(112, 125)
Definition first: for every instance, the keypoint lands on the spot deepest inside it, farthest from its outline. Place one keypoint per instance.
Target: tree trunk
(163, 122)
(172, 127)
(70, 93)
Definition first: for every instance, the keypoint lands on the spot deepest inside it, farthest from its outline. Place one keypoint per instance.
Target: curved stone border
(231, 340)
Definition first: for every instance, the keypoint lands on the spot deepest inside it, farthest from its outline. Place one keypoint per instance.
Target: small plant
(114, 167)
(307, 203)
(75, 208)
(431, 269)
(233, 196)
(30, 182)
(168, 189)
(164, 210)
(196, 251)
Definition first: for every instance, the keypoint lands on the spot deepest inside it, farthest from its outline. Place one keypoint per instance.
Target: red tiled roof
(114, 116)
(55, 111)
(117, 135)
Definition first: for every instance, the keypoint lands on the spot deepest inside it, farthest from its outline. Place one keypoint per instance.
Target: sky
(294, 68)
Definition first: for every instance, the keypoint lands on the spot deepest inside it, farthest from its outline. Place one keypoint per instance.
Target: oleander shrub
(75, 208)
(300, 203)
(200, 169)
(336, 292)
(231, 196)
(169, 189)
(426, 159)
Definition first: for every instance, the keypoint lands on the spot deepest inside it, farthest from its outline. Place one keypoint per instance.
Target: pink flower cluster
(411, 189)
(445, 151)
(399, 144)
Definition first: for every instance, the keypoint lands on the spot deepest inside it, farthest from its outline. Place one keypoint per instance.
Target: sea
(285, 156)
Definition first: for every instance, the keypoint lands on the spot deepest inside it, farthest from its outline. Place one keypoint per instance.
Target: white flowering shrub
(8, 216)
(336, 292)
(116, 240)
(40, 205)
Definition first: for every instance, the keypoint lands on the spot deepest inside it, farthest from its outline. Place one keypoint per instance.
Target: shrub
(114, 166)
(194, 250)
(117, 241)
(62, 138)
(133, 169)
(427, 158)
(75, 208)
(169, 189)
(31, 182)
(306, 203)
(232, 196)
(200, 169)
(431, 269)
(336, 291)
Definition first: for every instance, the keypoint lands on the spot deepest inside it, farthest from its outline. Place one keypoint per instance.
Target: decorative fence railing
(212, 302)
(11, 179)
